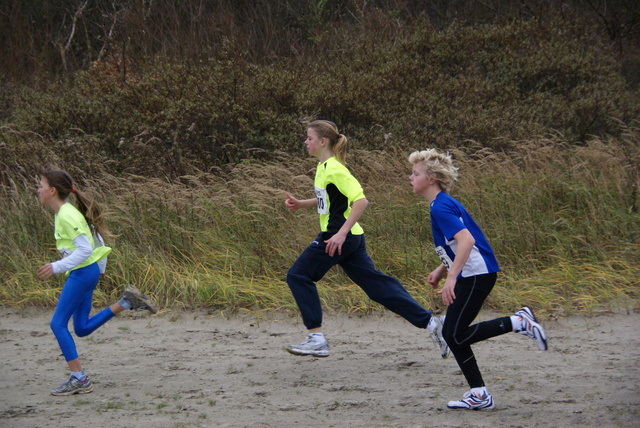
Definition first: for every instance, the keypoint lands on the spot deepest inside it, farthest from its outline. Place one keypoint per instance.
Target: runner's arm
(80, 254)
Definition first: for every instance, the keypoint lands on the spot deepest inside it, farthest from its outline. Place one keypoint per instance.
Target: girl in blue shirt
(470, 268)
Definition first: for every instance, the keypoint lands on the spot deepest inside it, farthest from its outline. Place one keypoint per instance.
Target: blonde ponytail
(337, 141)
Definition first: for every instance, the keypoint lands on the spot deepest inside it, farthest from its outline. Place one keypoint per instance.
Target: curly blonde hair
(439, 165)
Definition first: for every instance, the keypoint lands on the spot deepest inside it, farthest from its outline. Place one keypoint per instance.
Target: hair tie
(73, 190)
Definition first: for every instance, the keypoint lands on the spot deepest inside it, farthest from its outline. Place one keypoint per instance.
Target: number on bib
(444, 257)
(321, 196)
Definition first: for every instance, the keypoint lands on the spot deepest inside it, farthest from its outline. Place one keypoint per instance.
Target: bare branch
(63, 49)
(73, 25)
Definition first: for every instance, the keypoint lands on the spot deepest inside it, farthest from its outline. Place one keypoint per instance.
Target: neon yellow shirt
(69, 224)
(336, 189)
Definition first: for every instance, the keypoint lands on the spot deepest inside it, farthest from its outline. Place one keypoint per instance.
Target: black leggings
(460, 335)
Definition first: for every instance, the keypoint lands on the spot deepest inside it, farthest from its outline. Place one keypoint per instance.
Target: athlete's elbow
(362, 202)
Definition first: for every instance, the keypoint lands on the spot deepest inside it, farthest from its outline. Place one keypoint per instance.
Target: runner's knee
(81, 331)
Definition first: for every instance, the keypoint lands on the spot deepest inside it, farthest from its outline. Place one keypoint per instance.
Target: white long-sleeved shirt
(81, 253)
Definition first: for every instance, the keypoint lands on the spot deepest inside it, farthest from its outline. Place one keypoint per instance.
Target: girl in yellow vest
(78, 234)
(340, 201)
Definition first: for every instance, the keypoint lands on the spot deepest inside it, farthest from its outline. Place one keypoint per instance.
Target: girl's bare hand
(291, 203)
(45, 271)
(334, 244)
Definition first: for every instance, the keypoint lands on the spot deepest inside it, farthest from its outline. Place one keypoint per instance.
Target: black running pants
(460, 334)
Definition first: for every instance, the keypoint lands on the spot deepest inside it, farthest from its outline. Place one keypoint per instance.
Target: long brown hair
(337, 141)
(91, 211)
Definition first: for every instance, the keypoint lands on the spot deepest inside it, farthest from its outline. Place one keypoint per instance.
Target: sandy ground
(199, 370)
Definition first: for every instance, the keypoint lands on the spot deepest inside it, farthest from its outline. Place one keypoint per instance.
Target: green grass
(563, 222)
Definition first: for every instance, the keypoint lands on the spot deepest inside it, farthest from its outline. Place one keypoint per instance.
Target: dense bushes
(491, 84)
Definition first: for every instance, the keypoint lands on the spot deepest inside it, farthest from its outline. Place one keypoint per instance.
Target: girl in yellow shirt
(78, 234)
(340, 202)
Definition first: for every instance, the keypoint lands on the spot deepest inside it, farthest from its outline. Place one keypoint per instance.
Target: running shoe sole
(139, 301)
(75, 391)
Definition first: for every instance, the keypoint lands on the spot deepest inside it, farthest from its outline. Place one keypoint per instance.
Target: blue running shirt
(449, 217)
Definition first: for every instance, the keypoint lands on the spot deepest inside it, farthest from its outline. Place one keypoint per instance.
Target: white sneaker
(436, 335)
(312, 346)
(531, 327)
(472, 401)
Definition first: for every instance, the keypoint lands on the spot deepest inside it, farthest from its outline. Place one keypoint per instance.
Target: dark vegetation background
(186, 120)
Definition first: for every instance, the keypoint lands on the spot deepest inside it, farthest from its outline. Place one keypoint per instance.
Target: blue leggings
(314, 262)
(75, 300)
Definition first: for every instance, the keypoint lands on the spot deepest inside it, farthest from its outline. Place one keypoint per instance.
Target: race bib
(321, 196)
(444, 257)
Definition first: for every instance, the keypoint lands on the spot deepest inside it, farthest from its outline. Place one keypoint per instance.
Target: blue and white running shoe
(531, 327)
(472, 401)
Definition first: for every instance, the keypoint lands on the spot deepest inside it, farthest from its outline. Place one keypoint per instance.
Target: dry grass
(562, 220)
